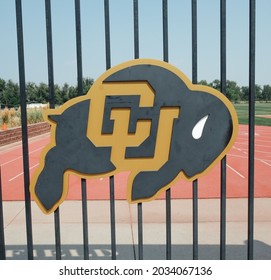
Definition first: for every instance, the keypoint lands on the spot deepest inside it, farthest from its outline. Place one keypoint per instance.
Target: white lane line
(256, 145)
(265, 162)
(18, 175)
(256, 158)
(12, 160)
(5, 163)
(266, 146)
(260, 140)
(232, 155)
(240, 150)
(246, 134)
(257, 151)
(236, 171)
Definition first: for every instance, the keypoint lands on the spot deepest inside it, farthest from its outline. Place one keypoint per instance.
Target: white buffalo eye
(198, 128)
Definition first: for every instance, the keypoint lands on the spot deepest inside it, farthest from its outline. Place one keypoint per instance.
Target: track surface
(209, 186)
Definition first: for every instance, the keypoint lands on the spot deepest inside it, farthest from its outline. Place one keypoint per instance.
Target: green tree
(266, 93)
(233, 91)
(2, 85)
(2, 88)
(31, 92)
(87, 83)
(10, 94)
(42, 93)
(64, 92)
(258, 93)
(73, 92)
(244, 93)
(203, 82)
(216, 84)
(58, 95)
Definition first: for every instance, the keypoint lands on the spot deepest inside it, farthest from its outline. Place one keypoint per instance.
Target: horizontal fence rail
(111, 188)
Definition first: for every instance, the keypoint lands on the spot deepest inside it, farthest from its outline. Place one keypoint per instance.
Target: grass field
(262, 110)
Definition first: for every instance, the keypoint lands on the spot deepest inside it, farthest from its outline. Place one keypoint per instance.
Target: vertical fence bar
(195, 221)
(113, 218)
(52, 105)
(78, 47)
(168, 224)
(107, 34)
(57, 234)
(80, 92)
(223, 161)
(168, 192)
(140, 230)
(85, 219)
(136, 30)
(111, 179)
(195, 81)
(165, 30)
(20, 43)
(50, 53)
(251, 152)
(2, 232)
(139, 205)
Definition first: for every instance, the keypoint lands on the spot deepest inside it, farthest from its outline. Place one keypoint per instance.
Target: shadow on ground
(262, 251)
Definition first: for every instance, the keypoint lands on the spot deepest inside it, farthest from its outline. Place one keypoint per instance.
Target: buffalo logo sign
(142, 116)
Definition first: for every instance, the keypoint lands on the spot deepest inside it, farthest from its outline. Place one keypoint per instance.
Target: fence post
(2, 229)
(20, 43)
(223, 163)
(52, 105)
(195, 81)
(251, 142)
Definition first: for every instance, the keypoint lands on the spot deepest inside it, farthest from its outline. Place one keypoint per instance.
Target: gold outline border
(95, 86)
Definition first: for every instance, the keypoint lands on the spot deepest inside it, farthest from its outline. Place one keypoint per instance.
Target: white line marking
(238, 149)
(256, 144)
(241, 143)
(246, 134)
(232, 155)
(13, 178)
(5, 163)
(241, 150)
(74, 253)
(259, 140)
(18, 175)
(265, 162)
(12, 160)
(236, 171)
(256, 151)
(256, 158)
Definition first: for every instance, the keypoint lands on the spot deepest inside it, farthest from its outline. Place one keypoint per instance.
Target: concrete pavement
(154, 230)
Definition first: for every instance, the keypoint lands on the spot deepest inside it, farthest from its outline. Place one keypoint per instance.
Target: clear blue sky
(150, 28)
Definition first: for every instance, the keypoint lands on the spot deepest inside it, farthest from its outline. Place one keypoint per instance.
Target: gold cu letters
(120, 138)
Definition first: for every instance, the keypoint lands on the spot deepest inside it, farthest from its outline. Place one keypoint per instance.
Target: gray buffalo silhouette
(189, 154)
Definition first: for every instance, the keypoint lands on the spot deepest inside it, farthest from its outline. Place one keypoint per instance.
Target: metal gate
(140, 212)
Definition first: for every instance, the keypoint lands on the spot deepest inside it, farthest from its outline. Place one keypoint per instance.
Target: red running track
(209, 186)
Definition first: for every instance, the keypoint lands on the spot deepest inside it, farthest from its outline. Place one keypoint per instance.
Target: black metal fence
(164, 15)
